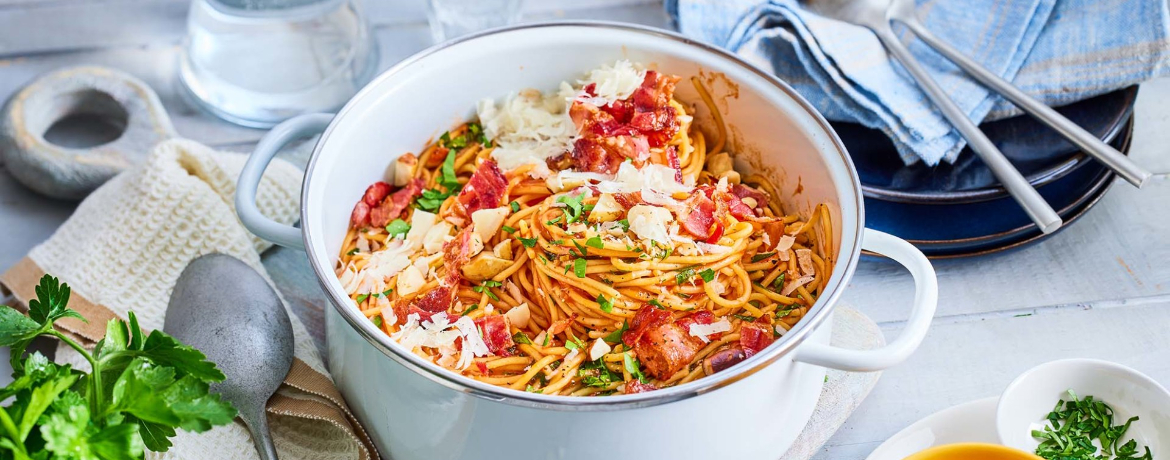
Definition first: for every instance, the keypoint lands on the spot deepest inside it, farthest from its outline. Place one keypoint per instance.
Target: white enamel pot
(417, 410)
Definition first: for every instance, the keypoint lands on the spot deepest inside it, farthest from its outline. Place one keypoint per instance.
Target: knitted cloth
(124, 248)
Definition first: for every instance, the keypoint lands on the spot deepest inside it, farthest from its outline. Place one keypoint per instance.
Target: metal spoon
(224, 308)
(875, 15)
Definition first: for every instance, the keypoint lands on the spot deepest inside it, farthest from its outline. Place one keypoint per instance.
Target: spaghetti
(636, 259)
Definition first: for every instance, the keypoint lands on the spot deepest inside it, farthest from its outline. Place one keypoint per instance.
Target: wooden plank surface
(1097, 289)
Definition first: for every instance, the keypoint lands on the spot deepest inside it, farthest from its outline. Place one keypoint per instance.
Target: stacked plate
(960, 209)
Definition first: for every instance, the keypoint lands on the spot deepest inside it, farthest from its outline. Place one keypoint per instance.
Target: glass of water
(259, 62)
(453, 18)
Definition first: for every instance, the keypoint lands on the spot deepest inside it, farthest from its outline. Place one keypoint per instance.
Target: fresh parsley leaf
(684, 275)
(520, 337)
(508, 229)
(584, 252)
(378, 321)
(531, 389)
(527, 242)
(595, 242)
(574, 343)
(547, 337)
(632, 366)
(555, 220)
(759, 257)
(708, 275)
(398, 228)
(625, 223)
(747, 318)
(579, 266)
(595, 374)
(778, 283)
(573, 205)
(448, 178)
(469, 309)
(483, 288)
(362, 298)
(616, 336)
(515, 206)
(50, 304)
(785, 312)
(605, 304)
(656, 303)
(352, 252)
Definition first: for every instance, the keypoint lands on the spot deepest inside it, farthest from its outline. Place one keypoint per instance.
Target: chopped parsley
(546, 339)
(747, 318)
(515, 206)
(555, 220)
(595, 374)
(786, 311)
(759, 257)
(1086, 420)
(527, 242)
(398, 228)
(708, 275)
(432, 199)
(625, 223)
(632, 366)
(384, 293)
(352, 252)
(574, 206)
(469, 309)
(656, 303)
(530, 389)
(616, 336)
(605, 304)
(584, 252)
(778, 283)
(508, 229)
(684, 275)
(595, 242)
(483, 289)
(362, 298)
(574, 343)
(520, 337)
(377, 320)
(473, 134)
(579, 266)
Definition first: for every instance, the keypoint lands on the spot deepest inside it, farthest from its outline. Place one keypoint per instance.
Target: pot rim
(379, 340)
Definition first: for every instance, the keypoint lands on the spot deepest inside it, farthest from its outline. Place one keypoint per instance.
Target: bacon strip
(391, 207)
(375, 193)
(663, 346)
(496, 334)
(754, 337)
(485, 190)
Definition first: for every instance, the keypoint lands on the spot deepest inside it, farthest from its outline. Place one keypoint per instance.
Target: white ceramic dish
(972, 421)
(414, 409)
(1027, 401)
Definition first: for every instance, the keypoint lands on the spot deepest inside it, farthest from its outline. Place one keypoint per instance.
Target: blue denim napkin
(1059, 51)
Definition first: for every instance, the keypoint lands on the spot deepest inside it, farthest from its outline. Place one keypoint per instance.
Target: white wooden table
(1098, 289)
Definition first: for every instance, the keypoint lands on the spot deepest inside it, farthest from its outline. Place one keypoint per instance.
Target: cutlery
(224, 308)
(874, 15)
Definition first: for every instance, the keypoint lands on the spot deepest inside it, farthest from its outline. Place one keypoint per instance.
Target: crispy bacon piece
(496, 334)
(456, 253)
(590, 154)
(700, 214)
(723, 359)
(737, 207)
(627, 128)
(485, 190)
(663, 346)
(391, 207)
(375, 193)
(743, 191)
(653, 114)
(435, 301)
(635, 386)
(754, 337)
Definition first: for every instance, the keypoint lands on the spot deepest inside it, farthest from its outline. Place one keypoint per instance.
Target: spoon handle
(1015, 183)
(257, 421)
(1113, 159)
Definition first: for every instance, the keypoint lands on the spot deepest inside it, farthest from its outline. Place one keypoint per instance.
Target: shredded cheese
(702, 331)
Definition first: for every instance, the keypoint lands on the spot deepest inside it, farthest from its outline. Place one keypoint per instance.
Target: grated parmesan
(702, 331)
(614, 82)
(527, 129)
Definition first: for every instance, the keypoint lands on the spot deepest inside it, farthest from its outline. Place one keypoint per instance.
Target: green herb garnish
(1074, 424)
(469, 309)
(632, 366)
(747, 318)
(574, 205)
(515, 206)
(579, 266)
(595, 374)
(656, 303)
(684, 275)
(527, 242)
(778, 283)
(352, 252)
(595, 242)
(605, 304)
(398, 228)
(140, 390)
(759, 257)
(508, 229)
(625, 223)
(377, 320)
(483, 289)
(362, 298)
(616, 336)
(708, 275)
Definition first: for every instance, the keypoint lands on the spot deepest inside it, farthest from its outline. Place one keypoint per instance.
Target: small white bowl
(1026, 402)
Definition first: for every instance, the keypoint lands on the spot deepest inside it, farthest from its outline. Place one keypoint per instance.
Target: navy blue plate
(1042, 155)
(967, 229)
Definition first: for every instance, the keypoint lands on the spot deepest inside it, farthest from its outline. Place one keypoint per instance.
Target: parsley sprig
(432, 199)
(141, 388)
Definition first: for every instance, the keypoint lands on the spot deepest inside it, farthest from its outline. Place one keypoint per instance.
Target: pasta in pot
(618, 251)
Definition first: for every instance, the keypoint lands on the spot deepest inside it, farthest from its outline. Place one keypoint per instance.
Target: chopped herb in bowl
(1074, 425)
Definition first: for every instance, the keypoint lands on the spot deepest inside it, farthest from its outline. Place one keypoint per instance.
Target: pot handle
(921, 313)
(280, 135)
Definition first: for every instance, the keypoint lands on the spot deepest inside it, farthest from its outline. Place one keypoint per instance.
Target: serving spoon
(224, 308)
(875, 15)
